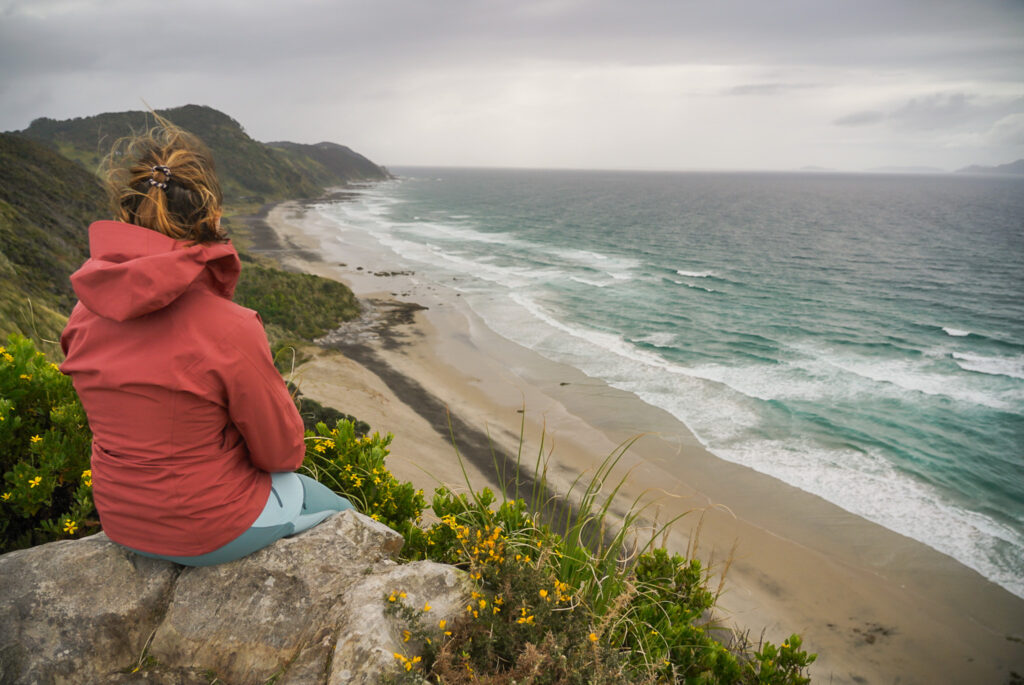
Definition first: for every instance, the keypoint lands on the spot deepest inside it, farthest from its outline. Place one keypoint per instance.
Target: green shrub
(353, 466)
(300, 305)
(44, 452)
(582, 606)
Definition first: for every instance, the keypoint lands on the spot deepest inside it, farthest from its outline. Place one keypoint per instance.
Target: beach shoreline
(876, 606)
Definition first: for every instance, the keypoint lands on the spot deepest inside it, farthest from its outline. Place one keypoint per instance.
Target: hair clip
(167, 175)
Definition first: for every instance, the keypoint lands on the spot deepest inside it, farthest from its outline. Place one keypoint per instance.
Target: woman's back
(187, 411)
(189, 416)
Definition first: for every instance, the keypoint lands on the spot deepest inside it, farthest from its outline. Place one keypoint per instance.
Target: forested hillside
(250, 171)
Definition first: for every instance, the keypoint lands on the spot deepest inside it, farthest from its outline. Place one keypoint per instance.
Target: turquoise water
(860, 337)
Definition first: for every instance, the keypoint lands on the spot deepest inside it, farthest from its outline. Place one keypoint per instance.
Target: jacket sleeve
(258, 401)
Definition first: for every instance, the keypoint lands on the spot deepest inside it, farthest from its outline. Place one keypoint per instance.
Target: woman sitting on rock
(195, 436)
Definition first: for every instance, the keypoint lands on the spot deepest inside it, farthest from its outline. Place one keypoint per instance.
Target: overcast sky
(624, 84)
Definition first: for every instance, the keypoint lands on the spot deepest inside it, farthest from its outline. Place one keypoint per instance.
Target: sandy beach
(877, 607)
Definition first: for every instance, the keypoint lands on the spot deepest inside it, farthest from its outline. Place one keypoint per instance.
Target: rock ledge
(307, 609)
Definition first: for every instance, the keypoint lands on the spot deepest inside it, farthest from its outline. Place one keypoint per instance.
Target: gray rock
(372, 637)
(78, 610)
(248, 619)
(307, 609)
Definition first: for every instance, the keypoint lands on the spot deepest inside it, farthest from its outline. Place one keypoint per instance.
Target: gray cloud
(397, 72)
(861, 118)
(767, 88)
(938, 111)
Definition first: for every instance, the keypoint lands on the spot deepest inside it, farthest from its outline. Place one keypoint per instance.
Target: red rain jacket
(187, 411)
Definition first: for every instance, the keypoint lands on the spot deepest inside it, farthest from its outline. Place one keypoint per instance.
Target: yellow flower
(592, 637)
(32, 482)
(442, 623)
(35, 438)
(70, 526)
(87, 478)
(329, 443)
(319, 447)
(426, 606)
(543, 594)
(8, 358)
(25, 376)
(55, 367)
(406, 634)
(6, 496)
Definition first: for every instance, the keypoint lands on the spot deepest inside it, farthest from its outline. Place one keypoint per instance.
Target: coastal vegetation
(571, 597)
(46, 492)
(46, 203)
(301, 305)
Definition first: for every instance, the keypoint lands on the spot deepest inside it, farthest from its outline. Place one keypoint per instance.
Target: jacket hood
(134, 271)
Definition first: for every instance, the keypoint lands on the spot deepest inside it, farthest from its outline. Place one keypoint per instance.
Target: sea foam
(1011, 367)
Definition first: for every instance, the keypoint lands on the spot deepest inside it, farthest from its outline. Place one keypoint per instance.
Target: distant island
(1011, 169)
(905, 170)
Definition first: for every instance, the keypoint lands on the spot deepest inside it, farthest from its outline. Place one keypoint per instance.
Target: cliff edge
(307, 609)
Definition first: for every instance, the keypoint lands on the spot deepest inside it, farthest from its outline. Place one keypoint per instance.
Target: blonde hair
(164, 179)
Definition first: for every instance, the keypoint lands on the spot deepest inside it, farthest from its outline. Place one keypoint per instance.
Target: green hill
(250, 171)
(339, 161)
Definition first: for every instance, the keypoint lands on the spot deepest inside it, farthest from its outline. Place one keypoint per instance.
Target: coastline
(876, 606)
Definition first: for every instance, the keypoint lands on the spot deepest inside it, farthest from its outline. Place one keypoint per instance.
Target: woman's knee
(319, 497)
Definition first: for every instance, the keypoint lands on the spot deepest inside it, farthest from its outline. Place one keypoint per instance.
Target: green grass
(302, 305)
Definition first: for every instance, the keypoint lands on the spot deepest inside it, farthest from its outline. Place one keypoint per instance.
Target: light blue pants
(296, 503)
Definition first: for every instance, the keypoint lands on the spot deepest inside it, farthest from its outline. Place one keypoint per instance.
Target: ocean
(860, 337)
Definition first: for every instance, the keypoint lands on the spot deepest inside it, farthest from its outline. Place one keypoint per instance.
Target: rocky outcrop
(307, 609)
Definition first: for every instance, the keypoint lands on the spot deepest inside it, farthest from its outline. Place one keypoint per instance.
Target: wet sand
(876, 606)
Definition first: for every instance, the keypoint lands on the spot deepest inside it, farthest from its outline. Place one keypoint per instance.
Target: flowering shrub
(547, 608)
(46, 492)
(353, 466)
